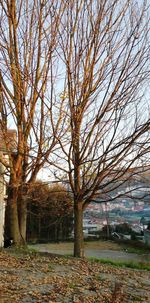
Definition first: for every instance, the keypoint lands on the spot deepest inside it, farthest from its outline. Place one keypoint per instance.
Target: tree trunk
(22, 211)
(14, 222)
(107, 221)
(60, 231)
(17, 212)
(78, 230)
(56, 233)
(39, 228)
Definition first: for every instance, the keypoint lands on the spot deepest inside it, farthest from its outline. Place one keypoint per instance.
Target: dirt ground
(68, 246)
(40, 279)
(98, 249)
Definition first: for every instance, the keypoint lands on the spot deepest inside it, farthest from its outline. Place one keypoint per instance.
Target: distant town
(130, 206)
(117, 213)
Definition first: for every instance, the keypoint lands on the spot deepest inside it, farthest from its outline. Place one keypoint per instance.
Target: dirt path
(101, 249)
(37, 279)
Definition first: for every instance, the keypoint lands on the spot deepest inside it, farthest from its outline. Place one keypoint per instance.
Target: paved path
(89, 252)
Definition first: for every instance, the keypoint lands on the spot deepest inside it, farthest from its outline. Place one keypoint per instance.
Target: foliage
(49, 212)
(143, 220)
(123, 228)
(105, 228)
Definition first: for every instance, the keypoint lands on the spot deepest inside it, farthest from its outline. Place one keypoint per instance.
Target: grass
(133, 246)
(138, 251)
(128, 264)
(72, 285)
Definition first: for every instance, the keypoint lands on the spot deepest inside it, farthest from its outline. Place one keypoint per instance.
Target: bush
(50, 213)
(124, 229)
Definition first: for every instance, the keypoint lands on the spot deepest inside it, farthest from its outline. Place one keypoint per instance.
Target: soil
(47, 278)
(97, 249)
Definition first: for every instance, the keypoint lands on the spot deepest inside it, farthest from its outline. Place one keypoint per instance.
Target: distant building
(89, 228)
(8, 141)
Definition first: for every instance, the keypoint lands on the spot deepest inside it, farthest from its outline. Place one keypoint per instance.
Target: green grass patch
(72, 285)
(138, 251)
(133, 246)
(129, 264)
(67, 255)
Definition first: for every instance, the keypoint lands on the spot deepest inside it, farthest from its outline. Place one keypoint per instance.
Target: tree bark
(39, 228)
(22, 212)
(14, 222)
(17, 212)
(78, 230)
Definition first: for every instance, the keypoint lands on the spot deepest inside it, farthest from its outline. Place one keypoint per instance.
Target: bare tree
(104, 54)
(96, 53)
(28, 67)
